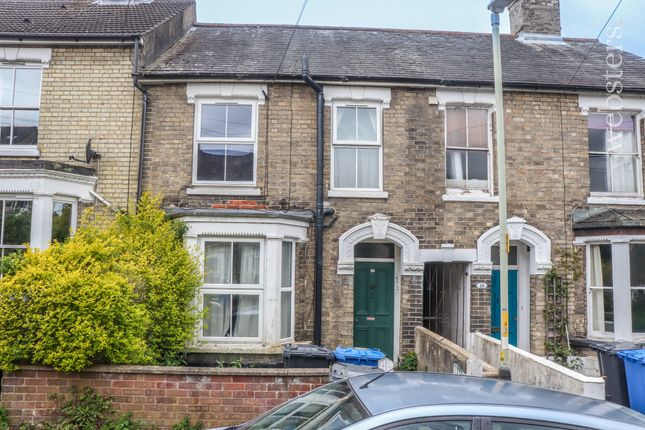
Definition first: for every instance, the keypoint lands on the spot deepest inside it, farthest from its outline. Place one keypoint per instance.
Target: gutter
(320, 211)
(144, 114)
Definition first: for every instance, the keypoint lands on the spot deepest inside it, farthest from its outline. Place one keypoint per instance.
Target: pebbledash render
(409, 171)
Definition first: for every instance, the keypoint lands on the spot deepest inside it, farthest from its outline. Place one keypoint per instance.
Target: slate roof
(84, 18)
(608, 218)
(359, 54)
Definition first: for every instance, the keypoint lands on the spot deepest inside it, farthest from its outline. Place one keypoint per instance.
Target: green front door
(374, 306)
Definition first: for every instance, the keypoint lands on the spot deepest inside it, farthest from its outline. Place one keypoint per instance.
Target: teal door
(495, 326)
(374, 306)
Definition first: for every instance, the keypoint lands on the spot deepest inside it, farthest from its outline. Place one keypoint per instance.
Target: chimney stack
(535, 17)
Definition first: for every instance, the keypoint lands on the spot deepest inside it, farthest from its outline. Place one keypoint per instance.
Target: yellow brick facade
(88, 93)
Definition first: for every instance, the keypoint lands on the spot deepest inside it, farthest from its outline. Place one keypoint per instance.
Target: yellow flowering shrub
(121, 293)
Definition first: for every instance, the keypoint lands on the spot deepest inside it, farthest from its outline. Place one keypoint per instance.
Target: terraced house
(408, 195)
(70, 112)
(351, 197)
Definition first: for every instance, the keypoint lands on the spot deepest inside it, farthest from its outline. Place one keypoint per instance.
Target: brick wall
(87, 93)
(547, 169)
(161, 396)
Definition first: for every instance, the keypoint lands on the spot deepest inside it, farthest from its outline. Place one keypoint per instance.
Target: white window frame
(473, 193)
(357, 192)
(197, 139)
(22, 198)
(597, 196)
(23, 150)
(233, 289)
(74, 217)
(292, 290)
(621, 284)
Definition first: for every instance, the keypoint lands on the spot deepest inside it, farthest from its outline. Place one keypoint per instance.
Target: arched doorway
(377, 254)
(530, 254)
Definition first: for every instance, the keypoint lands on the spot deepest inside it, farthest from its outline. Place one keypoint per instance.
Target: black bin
(612, 368)
(300, 356)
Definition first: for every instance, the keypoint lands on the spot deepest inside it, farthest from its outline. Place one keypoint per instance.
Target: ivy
(563, 276)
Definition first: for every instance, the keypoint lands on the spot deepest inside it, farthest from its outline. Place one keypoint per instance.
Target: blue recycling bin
(635, 374)
(360, 356)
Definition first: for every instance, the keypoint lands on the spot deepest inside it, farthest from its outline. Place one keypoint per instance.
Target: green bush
(409, 362)
(121, 294)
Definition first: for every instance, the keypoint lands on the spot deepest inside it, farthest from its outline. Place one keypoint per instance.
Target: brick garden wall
(159, 395)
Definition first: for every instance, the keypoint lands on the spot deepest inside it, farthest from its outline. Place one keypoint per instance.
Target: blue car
(428, 401)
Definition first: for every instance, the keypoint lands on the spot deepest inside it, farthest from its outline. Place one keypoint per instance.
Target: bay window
(225, 142)
(467, 149)
(232, 289)
(16, 225)
(19, 107)
(616, 289)
(357, 150)
(62, 221)
(286, 290)
(614, 154)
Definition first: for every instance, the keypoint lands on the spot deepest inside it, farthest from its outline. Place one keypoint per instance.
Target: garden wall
(161, 395)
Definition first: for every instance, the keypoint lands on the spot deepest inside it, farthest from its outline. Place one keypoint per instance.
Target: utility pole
(496, 7)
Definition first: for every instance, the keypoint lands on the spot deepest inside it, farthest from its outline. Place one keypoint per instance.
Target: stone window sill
(473, 197)
(19, 151)
(607, 200)
(358, 194)
(223, 190)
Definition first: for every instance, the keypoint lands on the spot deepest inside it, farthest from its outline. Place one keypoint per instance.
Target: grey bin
(343, 371)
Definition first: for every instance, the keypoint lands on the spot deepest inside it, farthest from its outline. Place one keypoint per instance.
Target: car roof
(398, 390)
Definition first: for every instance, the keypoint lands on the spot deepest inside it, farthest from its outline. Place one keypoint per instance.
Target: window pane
(344, 167)
(285, 314)
(6, 87)
(601, 273)
(213, 121)
(27, 91)
(368, 168)
(61, 221)
(374, 250)
(25, 127)
(512, 255)
(239, 121)
(210, 162)
(217, 318)
(602, 310)
(346, 123)
(456, 127)
(597, 140)
(217, 263)
(599, 172)
(367, 124)
(5, 126)
(637, 264)
(456, 168)
(478, 170)
(638, 311)
(435, 425)
(17, 222)
(246, 263)
(526, 426)
(239, 163)
(286, 272)
(623, 173)
(621, 135)
(245, 313)
(477, 128)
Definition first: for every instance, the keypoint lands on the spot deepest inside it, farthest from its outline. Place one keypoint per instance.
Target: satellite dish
(90, 154)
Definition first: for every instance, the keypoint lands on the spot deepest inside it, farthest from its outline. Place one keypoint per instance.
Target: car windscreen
(331, 407)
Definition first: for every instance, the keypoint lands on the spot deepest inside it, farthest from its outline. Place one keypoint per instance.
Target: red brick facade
(162, 396)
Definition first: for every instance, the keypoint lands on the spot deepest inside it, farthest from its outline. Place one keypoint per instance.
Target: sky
(580, 18)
